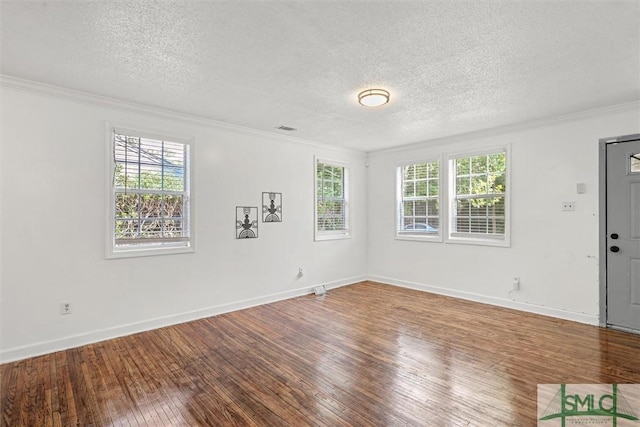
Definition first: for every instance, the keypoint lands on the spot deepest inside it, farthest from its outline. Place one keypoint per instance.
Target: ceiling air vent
(287, 128)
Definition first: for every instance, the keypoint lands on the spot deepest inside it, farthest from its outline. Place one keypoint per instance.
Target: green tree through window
(479, 195)
(331, 199)
(419, 201)
(150, 191)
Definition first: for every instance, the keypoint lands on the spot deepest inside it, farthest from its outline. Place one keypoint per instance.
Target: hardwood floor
(366, 354)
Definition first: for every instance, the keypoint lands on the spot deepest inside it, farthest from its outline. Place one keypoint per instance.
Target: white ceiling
(451, 66)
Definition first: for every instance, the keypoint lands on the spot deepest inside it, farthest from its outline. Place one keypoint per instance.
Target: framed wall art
(246, 222)
(271, 207)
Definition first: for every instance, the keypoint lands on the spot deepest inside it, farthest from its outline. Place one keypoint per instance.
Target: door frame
(602, 226)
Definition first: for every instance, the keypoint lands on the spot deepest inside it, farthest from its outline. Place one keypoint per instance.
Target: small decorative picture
(246, 222)
(271, 207)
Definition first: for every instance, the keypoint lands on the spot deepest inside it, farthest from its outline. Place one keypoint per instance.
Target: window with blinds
(478, 190)
(150, 193)
(634, 166)
(332, 201)
(418, 199)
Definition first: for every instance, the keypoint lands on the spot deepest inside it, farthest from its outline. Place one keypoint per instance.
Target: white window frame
(473, 238)
(427, 237)
(632, 163)
(320, 235)
(151, 248)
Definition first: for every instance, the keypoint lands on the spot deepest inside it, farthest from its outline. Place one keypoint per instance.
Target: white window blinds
(479, 195)
(332, 213)
(419, 199)
(150, 192)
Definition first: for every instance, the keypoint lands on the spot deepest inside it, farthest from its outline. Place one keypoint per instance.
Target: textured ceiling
(451, 67)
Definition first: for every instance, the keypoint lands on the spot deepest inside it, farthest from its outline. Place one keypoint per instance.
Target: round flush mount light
(373, 97)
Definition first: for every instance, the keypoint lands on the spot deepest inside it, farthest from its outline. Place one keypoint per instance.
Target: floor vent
(320, 290)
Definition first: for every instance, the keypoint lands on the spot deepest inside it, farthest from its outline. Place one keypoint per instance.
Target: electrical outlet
(568, 206)
(516, 283)
(300, 271)
(65, 307)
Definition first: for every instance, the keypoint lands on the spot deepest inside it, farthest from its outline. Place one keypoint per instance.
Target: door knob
(614, 236)
(614, 249)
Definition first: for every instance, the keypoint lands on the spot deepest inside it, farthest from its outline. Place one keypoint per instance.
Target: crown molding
(72, 95)
(514, 127)
(43, 89)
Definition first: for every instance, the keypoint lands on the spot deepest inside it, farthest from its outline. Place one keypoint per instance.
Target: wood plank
(366, 354)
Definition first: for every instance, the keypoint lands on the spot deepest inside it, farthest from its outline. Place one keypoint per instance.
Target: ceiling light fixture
(373, 97)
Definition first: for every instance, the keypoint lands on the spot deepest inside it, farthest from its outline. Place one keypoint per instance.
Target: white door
(623, 234)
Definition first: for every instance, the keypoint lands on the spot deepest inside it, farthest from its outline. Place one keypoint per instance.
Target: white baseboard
(501, 302)
(343, 282)
(46, 347)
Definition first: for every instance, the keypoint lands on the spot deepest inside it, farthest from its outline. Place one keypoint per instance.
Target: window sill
(319, 238)
(135, 253)
(435, 238)
(503, 242)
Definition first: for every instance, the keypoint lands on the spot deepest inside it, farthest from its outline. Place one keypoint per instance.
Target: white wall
(53, 221)
(53, 225)
(553, 252)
